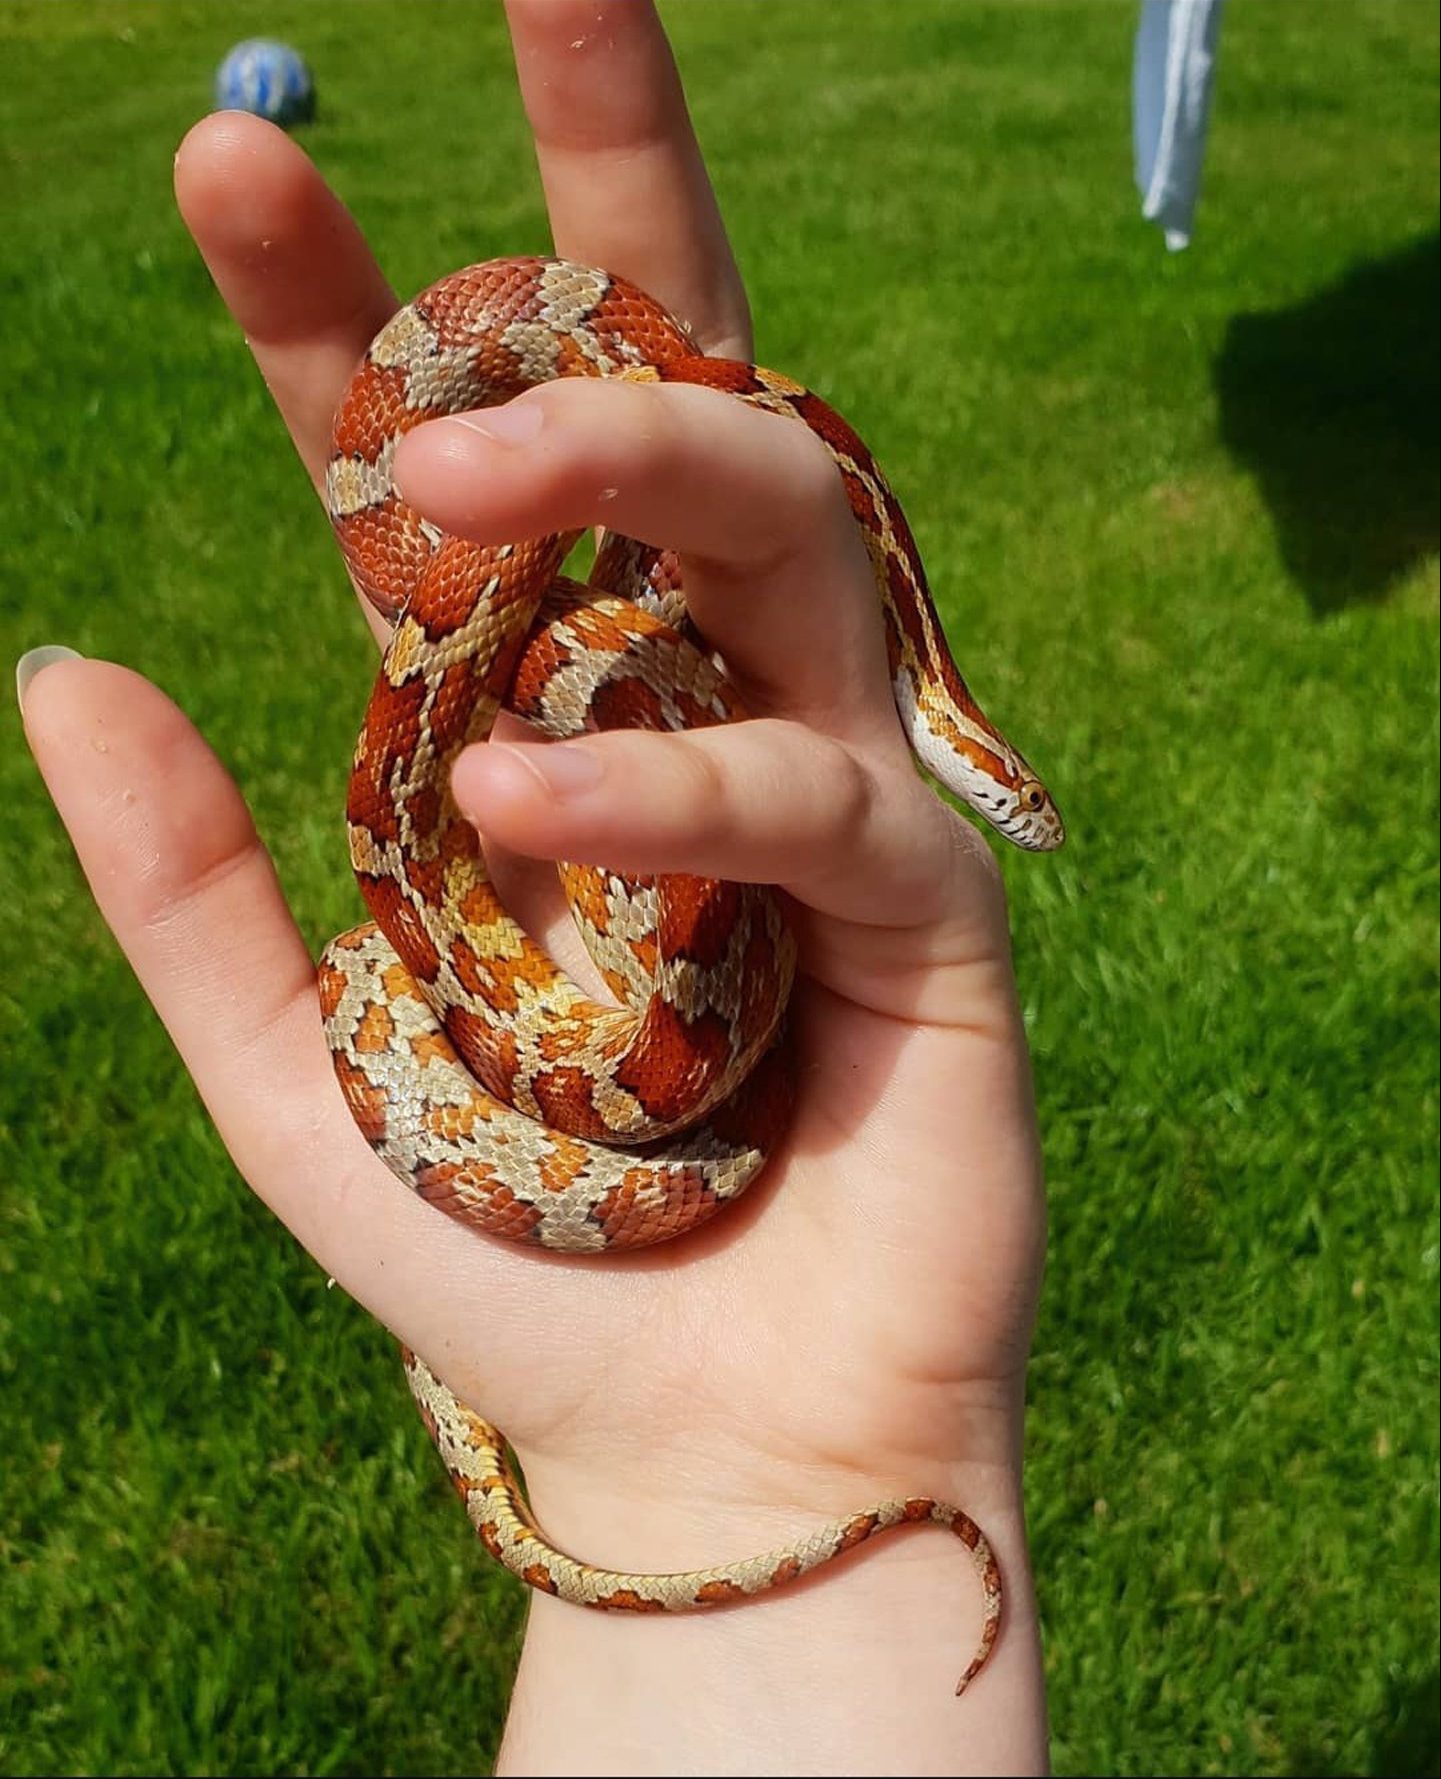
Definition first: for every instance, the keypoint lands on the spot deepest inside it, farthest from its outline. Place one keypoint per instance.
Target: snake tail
(477, 1458)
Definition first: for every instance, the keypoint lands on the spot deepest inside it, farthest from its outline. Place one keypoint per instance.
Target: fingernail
(34, 662)
(517, 423)
(564, 769)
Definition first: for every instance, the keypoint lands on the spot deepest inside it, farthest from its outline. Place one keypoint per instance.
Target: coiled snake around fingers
(488, 1081)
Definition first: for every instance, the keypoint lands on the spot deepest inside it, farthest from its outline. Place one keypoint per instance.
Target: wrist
(699, 1495)
(834, 1673)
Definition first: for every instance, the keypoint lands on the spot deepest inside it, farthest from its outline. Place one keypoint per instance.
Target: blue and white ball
(267, 78)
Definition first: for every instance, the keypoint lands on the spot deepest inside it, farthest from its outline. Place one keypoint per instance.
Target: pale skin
(858, 1326)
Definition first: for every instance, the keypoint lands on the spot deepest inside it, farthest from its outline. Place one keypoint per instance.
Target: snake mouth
(1046, 836)
(1031, 826)
(1032, 829)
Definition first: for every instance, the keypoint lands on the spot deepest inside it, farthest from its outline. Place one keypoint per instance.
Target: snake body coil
(488, 1081)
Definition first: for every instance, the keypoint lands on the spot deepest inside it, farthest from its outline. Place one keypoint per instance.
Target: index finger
(624, 180)
(290, 263)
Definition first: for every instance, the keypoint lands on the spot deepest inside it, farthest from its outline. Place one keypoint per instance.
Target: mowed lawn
(1181, 514)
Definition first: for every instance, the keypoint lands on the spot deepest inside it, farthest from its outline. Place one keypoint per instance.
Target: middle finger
(290, 263)
(624, 180)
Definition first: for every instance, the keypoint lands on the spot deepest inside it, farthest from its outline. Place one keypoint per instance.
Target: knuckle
(973, 861)
(849, 789)
(703, 784)
(817, 484)
(236, 852)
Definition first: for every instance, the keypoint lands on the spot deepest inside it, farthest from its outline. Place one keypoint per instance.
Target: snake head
(958, 744)
(1013, 801)
(1032, 820)
(980, 767)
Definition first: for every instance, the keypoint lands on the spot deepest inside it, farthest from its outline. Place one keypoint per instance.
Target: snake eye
(1032, 795)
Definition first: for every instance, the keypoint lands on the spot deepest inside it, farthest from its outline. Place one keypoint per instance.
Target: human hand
(857, 1326)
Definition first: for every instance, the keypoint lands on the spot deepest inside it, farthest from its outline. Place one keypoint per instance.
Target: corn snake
(490, 1083)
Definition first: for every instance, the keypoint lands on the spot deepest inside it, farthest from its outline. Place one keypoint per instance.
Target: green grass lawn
(1182, 516)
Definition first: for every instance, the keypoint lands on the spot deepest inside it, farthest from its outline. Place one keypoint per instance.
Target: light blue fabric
(1175, 68)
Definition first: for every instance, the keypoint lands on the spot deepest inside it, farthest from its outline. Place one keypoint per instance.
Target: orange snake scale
(488, 1081)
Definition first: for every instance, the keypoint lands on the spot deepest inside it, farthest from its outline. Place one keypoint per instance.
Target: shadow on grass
(1332, 404)
(1405, 1745)
(1409, 1747)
